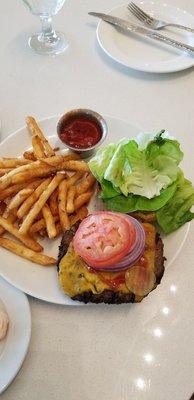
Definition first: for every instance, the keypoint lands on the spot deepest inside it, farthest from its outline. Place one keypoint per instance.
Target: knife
(128, 26)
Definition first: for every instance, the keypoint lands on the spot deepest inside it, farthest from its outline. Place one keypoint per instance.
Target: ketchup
(143, 262)
(81, 132)
(114, 283)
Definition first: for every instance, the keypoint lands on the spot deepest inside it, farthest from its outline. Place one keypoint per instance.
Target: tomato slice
(104, 238)
(130, 223)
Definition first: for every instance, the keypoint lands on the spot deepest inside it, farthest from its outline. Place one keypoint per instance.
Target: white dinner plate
(146, 54)
(14, 347)
(42, 282)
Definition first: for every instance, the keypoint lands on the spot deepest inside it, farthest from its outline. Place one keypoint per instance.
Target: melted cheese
(75, 277)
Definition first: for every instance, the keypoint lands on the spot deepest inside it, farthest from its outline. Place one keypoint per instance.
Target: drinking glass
(48, 41)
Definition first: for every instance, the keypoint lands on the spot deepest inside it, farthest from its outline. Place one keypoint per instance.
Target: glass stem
(47, 34)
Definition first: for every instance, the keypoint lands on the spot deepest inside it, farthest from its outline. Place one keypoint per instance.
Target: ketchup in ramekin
(81, 133)
(82, 130)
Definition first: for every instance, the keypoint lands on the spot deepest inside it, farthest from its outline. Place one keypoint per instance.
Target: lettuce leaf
(161, 146)
(119, 169)
(99, 163)
(131, 169)
(176, 212)
(138, 203)
(145, 172)
(144, 138)
(144, 175)
(107, 190)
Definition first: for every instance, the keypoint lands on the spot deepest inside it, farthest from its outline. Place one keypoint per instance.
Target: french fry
(27, 240)
(58, 229)
(12, 212)
(55, 163)
(70, 199)
(40, 168)
(32, 169)
(53, 202)
(16, 222)
(11, 218)
(13, 162)
(74, 178)
(49, 220)
(40, 203)
(24, 252)
(43, 233)
(19, 198)
(28, 203)
(6, 180)
(82, 199)
(52, 161)
(12, 190)
(4, 171)
(39, 215)
(35, 130)
(38, 147)
(62, 199)
(40, 224)
(34, 184)
(26, 176)
(85, 184)
(7, 201)
(75, 165)
(29, 155)
(4, 194)
(59, 160)
(2, 208)
(79, 216)
(37, 226)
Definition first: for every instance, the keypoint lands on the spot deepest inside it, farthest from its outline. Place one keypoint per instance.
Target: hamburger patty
(110, 296)
(66, 240)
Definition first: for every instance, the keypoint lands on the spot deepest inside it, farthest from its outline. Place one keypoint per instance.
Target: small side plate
(144, 54)
(14, 347)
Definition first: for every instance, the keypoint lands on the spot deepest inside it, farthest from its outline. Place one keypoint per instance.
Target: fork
(152, 22)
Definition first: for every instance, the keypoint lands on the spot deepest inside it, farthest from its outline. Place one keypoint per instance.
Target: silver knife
(128, 26)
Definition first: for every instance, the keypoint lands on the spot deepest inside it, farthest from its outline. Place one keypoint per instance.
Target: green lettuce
(144, 138)
(176, 212)
(119, 169)
(144, 175)
(140, 172)
(100, 162)
(133, 203)
(108, 190)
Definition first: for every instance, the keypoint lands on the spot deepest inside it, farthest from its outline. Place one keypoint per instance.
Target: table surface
(63, 338)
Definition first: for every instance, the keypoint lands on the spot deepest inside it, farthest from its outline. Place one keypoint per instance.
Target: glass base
(55, 44)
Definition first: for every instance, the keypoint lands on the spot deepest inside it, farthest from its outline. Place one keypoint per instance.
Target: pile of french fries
(42, 194)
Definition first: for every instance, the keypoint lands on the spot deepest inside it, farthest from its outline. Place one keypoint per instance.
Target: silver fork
(152, 22)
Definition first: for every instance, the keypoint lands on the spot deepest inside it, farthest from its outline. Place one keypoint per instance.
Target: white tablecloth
(78, 352)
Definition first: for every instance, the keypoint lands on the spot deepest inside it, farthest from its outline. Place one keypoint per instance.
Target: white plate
(42, 282)
(146, 54)
(14, 347)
